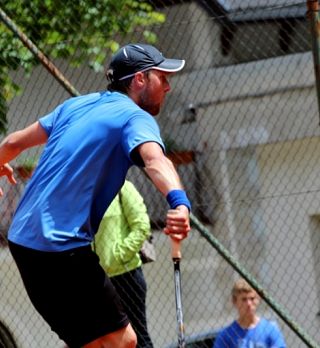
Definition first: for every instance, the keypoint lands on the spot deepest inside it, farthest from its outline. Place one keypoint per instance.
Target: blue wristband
(178, 197)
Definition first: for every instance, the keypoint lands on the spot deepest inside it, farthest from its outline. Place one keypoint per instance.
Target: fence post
(313, 16)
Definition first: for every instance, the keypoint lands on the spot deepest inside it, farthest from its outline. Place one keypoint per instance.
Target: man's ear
(234, 299)
(139, 79)
(258, 299)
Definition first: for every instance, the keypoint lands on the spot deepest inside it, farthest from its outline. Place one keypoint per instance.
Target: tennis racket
(176, 257)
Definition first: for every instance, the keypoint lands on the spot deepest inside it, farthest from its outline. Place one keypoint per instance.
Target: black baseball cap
(140, 57)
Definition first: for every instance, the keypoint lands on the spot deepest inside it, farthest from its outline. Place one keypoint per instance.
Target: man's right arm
(17, 142)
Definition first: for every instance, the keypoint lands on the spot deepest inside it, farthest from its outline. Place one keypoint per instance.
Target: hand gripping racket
(176, 257)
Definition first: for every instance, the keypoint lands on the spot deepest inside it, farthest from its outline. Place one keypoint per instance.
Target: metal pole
(40, 55)
(313, 15)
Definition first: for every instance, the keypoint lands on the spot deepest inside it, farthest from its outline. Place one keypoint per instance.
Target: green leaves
(80, 31)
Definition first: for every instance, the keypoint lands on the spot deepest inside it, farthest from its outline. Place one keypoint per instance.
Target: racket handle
(175, 249)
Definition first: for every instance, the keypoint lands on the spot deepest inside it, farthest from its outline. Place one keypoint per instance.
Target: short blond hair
(241, 286)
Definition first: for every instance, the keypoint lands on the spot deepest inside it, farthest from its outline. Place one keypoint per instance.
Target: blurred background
(245, 113)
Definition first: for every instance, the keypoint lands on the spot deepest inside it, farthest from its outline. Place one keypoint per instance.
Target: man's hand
(6, 170)
(177, 223)
(13, 144)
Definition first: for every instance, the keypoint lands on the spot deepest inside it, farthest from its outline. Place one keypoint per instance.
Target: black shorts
(71, 292)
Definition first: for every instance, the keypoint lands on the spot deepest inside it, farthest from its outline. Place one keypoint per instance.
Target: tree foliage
(81, 31)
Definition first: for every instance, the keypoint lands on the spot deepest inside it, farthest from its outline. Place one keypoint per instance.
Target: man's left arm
(277, 337)
(164, 176)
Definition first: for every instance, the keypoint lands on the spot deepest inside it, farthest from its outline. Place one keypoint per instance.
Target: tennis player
(90, 143)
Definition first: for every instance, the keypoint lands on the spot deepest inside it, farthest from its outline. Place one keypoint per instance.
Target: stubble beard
(146, 105)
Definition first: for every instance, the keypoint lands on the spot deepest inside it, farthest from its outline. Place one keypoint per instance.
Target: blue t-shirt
(266, 334)
(82, 167)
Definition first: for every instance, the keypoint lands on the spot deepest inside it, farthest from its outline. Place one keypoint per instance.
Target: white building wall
(290, 184)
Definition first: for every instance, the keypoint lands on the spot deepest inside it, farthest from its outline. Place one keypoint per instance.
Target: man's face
(246, 303)
(153, 94)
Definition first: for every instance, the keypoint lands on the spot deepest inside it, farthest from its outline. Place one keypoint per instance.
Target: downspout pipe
(313, 16)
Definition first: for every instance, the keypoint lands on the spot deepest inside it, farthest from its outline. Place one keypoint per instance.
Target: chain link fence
(244, 111)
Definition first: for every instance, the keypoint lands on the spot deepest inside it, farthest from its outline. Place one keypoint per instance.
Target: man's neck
(248, 322)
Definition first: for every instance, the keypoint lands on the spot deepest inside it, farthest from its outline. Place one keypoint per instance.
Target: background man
(249, 330)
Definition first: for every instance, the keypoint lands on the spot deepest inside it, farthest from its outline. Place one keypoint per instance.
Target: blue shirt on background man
(266, 334)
